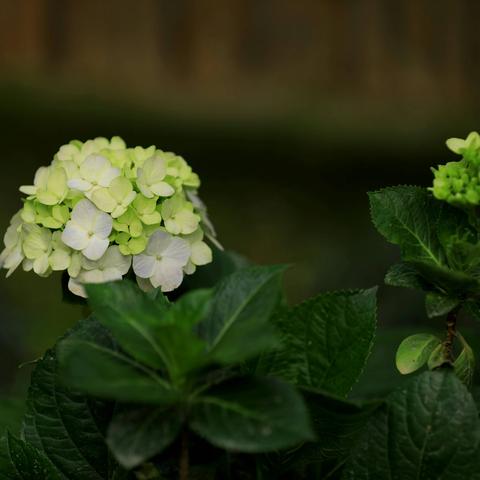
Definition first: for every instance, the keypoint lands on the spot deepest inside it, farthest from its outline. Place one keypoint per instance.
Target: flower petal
(103, 200)
(113, 259)
(108, 175)
(79, 184)
(84, 214)
(159, 241)
(201, 253)
(76, 288)
(95, 248)
(178, 251)
(143, 265)
(40, 265)
(168, 275)
(93, 167)
(162, 189)
(145, 284)
(59, 260)
(75, 236)
(93, 276)
(103, 223)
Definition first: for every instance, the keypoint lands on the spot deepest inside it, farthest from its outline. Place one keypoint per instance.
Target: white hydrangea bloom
(88, 230)
(98, 203)
(96, 171)
(111, 267)
(163, 261)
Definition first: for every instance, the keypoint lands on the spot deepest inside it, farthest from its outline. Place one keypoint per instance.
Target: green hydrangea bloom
(101, 208)
(458, 182)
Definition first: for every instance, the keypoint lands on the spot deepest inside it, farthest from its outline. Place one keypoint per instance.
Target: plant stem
(184, 460)
(451, 334)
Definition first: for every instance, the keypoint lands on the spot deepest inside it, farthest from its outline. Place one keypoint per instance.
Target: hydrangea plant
(228, 380)
(101, 208)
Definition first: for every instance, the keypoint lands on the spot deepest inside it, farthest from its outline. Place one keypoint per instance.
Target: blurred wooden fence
(367, 48)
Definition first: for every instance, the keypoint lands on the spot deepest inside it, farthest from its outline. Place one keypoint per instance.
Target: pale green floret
(468, 148)
(53, 217)
(146, 210)
(129, 223)
(49, 185)
(12, 255)
(61, 256)
(37, 247)
(95, 172)
(110, 267)
(178, 216)
(115, 198)
(140, 154)
(129, 245)
(201, 253)
(88, 230)
(151, 178)
(163, 261)
(177, 167)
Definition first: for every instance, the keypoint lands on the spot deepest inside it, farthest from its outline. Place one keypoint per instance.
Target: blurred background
(290, 111)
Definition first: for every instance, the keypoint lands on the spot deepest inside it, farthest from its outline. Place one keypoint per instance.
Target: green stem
(451, 334)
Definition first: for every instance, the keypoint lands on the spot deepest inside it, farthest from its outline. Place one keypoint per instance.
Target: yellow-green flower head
(101, 208)
(458, 182)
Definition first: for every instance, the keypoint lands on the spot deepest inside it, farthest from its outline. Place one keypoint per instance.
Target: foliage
(223, 379)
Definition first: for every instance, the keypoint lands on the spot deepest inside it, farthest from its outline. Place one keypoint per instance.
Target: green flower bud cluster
(101, 208)
(458, 182)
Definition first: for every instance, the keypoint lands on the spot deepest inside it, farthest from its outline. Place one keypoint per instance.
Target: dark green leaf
(337, 424)
(235, 327)
(438, 305)
(155, 335)
(251, 415)
(21, 461)
(64, 424)
(438, 357)
(327, 341)
(427, 232)
(451, 282)
(105, 373)
(138, 433)
(464, 365)
(405, 275)
(428, 430)
(414, 351)
(406, 216)
(189, 309)
(130, 315)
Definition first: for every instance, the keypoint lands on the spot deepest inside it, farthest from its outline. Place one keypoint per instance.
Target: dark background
(290, 111)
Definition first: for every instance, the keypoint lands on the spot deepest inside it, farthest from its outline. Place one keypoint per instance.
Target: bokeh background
(290, 111)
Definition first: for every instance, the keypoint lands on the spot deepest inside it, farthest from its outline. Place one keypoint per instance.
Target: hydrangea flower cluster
(101, 208)
(458, 182)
